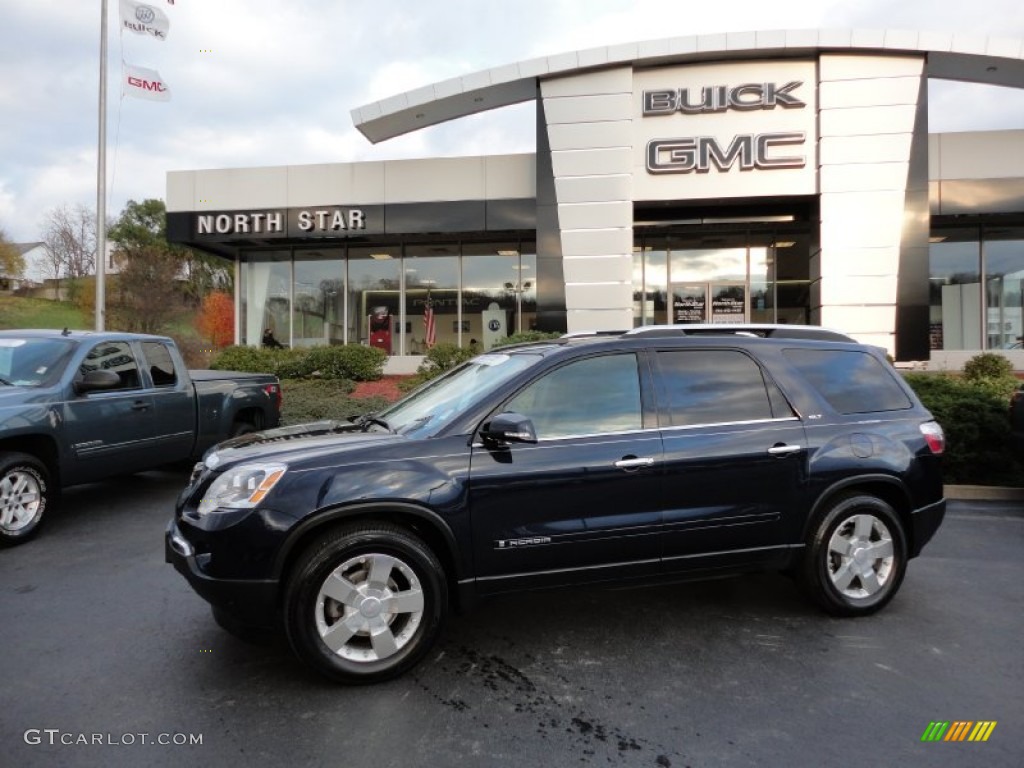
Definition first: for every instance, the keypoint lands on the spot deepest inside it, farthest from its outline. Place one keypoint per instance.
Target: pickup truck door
(110, 431)
(174, 400)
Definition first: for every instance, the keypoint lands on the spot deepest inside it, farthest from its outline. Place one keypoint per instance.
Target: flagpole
(101, 179)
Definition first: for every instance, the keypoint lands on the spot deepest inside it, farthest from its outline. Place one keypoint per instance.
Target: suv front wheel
(856, 556)
(365, 603)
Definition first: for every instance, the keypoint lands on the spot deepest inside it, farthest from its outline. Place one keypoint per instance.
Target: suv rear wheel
(856, 556)
(365, 603)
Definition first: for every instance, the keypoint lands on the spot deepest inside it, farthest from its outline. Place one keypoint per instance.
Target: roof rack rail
(760, 330)
(583, 334)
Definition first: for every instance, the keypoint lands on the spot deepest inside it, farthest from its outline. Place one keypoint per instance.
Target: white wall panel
(869, 93)
(239, 188)
(619, 80)
(591, 162)
(847, 150)
(510, 176)
(866, 121)
(597, 242)
(585, 109)
(181, 186)
(853, 290)
(598, 269)
(618, 319)
(594, 189)
(859, 67)
(595, 215)
(598, 295)
(610, 133)
(452, 178)
(864, 176)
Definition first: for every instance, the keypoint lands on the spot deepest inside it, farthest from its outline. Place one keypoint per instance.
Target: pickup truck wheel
(365, 603)
(241, 428)
(24, 493)
(856, 557)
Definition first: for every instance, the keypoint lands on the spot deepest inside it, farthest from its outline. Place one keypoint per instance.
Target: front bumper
(251, 602)
(925, 522)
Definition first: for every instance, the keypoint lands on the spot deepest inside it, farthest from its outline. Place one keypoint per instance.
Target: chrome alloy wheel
(860, 556)
(20, 499)
(369, 607)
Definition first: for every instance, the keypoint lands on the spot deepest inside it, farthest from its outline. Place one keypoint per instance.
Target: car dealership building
(766, 177)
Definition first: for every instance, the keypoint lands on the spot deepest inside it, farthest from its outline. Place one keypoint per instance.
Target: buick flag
(144, 19)
(144, 84)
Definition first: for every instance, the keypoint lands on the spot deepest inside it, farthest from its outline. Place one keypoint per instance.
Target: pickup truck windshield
(28, 362)
(430, 409)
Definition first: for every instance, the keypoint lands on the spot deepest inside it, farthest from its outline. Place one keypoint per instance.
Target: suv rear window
(851, 381)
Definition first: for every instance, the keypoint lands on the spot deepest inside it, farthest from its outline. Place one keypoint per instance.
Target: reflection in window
(374, 287)
(713, 387)
(431, 280)
(161, 367)
(954, 290)
(319, 299)
(266, 296)
(593, 396)
(851, 382)
(1004, 283)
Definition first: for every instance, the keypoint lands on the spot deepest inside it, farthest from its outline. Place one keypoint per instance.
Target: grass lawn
(21, 312)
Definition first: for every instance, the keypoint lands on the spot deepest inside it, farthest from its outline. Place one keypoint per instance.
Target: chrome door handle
(140, 405)
(784, 450)
(634, 463)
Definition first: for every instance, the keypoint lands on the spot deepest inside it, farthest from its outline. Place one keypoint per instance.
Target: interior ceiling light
(785, 244)
(937, 239)
(380, 256)
(508, 253)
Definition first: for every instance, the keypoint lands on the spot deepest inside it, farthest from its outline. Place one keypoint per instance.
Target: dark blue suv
(655, 454)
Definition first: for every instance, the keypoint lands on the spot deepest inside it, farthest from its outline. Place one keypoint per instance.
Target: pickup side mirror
(509, 427)
(97, 380)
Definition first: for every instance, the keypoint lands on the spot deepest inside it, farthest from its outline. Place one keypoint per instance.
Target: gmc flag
(144, 83)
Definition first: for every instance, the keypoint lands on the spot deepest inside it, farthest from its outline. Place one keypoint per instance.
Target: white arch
(966, 58)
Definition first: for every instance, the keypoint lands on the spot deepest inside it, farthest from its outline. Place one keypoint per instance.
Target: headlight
(241, 487)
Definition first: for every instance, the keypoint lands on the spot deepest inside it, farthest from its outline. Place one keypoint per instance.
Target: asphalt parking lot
(107, 651)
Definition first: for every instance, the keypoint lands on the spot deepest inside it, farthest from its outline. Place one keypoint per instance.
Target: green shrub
(306, 400)
(992, 371)
(975, 417)
(352, 361)
(525, 336)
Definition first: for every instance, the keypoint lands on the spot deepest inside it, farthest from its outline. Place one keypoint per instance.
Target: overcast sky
(272, 82)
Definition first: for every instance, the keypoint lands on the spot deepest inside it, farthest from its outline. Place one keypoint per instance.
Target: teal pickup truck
(76, 407)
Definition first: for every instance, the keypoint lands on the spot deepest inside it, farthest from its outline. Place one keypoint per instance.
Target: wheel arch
(887, 488)
(423, 522)
(40, 447)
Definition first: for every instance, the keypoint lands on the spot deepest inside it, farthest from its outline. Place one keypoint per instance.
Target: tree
(216, 319)
(12, 263)
(143, 225)
(70, 238)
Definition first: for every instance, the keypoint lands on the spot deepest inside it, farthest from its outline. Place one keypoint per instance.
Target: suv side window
(851, 381)
(715, 386)
(161, 367)
(113, 356)
(592, 396)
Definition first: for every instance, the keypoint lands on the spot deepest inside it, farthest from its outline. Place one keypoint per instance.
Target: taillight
(934, 437)
(273, 391)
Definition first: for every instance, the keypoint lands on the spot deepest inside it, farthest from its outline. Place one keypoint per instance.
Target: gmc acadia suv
(662, 453)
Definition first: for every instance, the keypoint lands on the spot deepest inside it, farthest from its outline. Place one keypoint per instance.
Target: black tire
(373, 567)
(25, 494)
(241, 428)
(856, 556)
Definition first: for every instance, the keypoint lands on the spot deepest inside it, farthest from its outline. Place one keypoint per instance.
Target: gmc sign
(700, 153)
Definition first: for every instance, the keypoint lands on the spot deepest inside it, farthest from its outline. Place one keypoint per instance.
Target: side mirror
(97, 380)
(509, 427)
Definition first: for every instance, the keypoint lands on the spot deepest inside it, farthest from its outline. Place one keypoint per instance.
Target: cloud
(266, 82)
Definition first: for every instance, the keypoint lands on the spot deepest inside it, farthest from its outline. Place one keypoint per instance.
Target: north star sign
(308, 221)
(749, 151)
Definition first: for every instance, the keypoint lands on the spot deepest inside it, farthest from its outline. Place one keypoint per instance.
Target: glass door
(728, 303)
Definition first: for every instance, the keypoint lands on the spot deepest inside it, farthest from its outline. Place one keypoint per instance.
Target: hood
(296, 442)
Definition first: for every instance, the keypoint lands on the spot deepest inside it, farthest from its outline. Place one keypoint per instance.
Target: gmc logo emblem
(700, 153)
(146, 85)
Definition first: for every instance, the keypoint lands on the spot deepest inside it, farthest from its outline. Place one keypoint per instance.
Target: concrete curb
(983, 493)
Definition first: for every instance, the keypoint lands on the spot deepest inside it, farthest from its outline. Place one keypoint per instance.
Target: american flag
(429, 325)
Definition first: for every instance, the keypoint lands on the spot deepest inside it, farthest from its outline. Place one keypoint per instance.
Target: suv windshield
(429, 410)
(31, 362)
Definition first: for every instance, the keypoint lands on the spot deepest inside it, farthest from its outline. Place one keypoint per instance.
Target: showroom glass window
(319, 297)
(1004, 287)
(954, 289)
(266, 286)
(431, 279)
(490, 274)
(373, 291)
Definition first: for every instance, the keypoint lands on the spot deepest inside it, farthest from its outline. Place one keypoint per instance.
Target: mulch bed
(386, 387)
